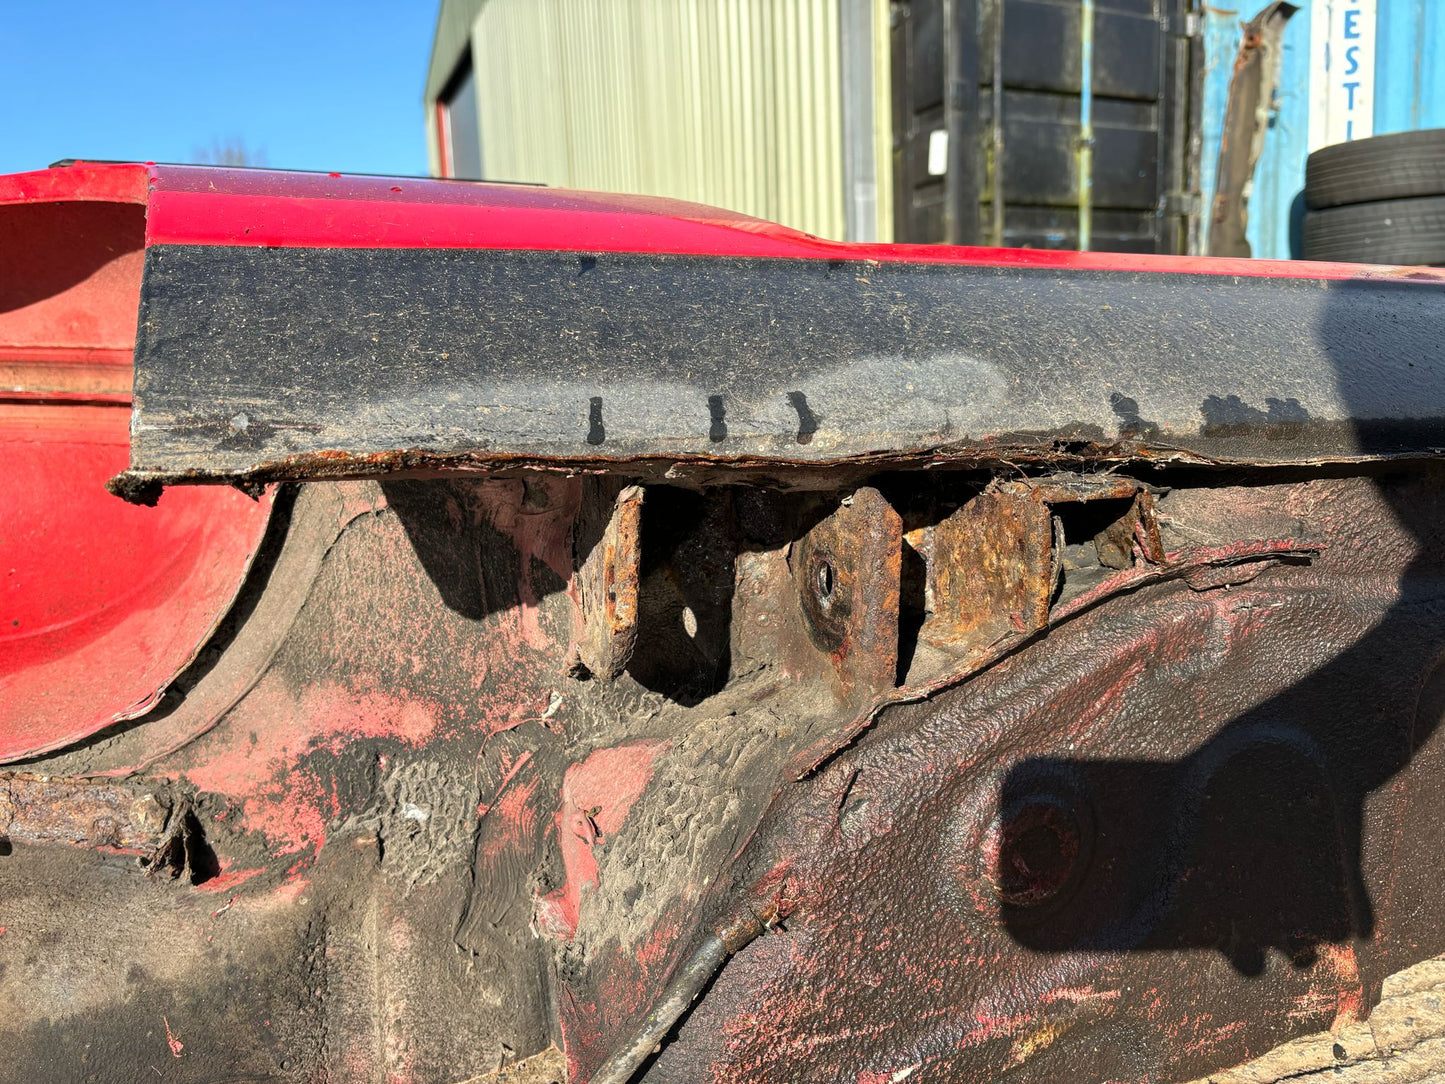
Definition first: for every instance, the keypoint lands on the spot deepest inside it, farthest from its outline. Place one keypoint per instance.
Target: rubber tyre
(1398, 166)
(1398, 231)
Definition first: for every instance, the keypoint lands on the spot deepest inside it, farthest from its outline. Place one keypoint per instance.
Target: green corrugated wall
(734, 103)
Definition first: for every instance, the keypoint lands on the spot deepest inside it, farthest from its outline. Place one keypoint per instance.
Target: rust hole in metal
(1037, 851)
(825, 581)
(827, 610)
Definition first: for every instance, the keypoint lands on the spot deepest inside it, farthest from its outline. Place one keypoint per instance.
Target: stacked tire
(1379, 200)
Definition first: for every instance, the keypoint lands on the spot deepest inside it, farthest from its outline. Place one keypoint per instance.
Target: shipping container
(1348, 69)
(1099, 121)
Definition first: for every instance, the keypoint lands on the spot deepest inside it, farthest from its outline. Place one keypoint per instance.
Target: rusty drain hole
(1040, 850)
(1039, 847)
(825, 584)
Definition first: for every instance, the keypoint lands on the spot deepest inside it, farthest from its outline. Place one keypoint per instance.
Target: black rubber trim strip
(256, 363)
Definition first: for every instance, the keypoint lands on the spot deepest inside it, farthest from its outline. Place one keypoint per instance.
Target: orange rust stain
(1350, 1007)
(1036, 1042)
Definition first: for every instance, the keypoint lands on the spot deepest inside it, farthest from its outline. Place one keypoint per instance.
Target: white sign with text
(1342, 71)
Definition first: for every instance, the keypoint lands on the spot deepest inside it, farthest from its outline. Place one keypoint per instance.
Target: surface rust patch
(608, 577)
(81, 813)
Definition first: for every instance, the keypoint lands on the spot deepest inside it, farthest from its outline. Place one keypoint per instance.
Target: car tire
(1403, 165)
(1400, 231)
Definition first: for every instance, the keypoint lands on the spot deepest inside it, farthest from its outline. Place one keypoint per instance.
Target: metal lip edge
(143, 482)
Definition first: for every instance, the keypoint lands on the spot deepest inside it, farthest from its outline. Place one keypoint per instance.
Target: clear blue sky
(311, 84)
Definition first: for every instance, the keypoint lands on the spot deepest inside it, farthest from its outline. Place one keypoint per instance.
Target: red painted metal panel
(101, 602)
(191, 205)
(91, 182)
(200, 205)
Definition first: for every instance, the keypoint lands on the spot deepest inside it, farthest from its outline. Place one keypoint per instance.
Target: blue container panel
(1409, 93)
(1275, 206)
(1409, 65)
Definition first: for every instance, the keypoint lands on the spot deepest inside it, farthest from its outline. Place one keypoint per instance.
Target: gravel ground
(1403, 1041)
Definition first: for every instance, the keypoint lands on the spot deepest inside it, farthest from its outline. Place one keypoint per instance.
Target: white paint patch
(938, 152)
(1342, 71)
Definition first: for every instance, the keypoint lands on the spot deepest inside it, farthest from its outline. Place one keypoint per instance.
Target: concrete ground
(1403, 1041)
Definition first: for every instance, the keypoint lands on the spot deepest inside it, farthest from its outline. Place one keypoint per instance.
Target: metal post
(998, 122)
(860, 181)
(1086, 126)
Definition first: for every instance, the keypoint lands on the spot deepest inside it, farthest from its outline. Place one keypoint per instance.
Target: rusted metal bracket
(81, 813)
(1002, 560)
(992, 569)
(847, 571)
(144, 818)
(609, 554)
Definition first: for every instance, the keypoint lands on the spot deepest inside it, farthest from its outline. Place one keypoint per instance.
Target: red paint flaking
(1350, 1006)
(227, 879)
(171, 1041)
(327, 716)
(596, 797)
(518, 814)
(1079, 994)
(1212, 1035)
(278, 799)
(513, 765)
(292, 812)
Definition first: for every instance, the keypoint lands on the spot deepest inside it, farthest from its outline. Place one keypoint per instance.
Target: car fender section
(759, 659)
(105, 603)
(101, 604)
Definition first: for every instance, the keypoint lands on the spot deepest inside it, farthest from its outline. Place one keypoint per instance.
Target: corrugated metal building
(735, 103)
(1098, 121)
